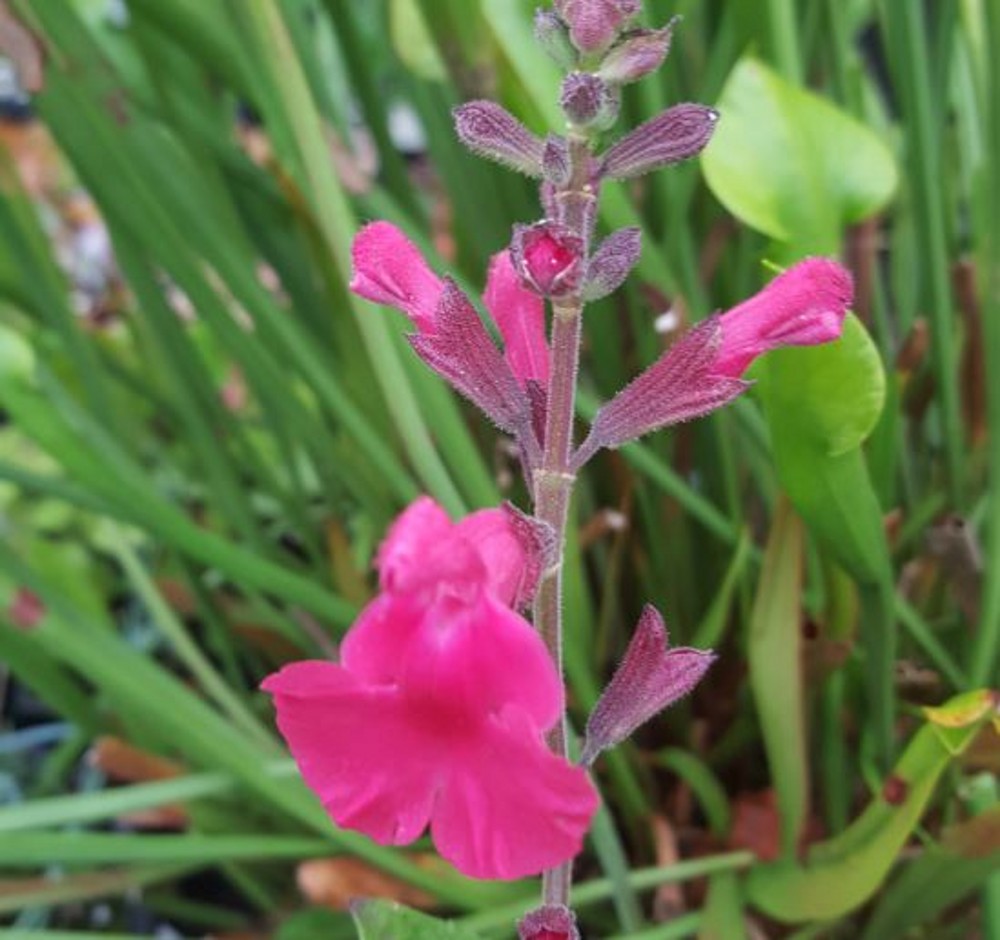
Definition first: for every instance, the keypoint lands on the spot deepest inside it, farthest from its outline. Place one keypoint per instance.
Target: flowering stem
(554, 479)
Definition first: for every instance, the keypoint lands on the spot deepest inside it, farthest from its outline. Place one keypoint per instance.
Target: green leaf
(413, 42)
(790, 164)
(776, 671)
(839, 875)
(821, 402)
(316, 922)
(968, 854)
(385, 920)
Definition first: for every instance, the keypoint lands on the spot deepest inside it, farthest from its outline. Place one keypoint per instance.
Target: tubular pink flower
(803, 306)
(520, 316)
(389, 269)
(436, 713)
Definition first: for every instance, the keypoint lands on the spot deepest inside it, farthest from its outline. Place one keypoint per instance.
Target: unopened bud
(588, 101)
(553, 36)
(552, 922)
(637, 55)
(595, 24)
(650, 677)
(490, 131)
(611, 263)
(678, 133)
(548, 258)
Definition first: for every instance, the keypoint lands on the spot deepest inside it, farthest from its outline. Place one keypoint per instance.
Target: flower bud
(490, 131)
(650, 677)
(595, 24)
(611, 263)
(548, 258)
(637, 55)
(553, 36)
(588, 101)
(678, 133)
(552, 922)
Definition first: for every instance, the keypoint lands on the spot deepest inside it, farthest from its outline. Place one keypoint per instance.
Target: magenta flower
(803, 306)
(389, 269)
(435, 714)
(520, 316)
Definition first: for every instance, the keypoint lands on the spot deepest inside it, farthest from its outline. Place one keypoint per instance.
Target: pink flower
(520, 316)
(436, 713)
(389, 269)
(803, 306)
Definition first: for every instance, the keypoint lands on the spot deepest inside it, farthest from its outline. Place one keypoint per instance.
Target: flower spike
(650, 677)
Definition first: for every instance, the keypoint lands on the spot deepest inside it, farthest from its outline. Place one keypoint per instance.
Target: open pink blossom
(803, 306)
(436, 713)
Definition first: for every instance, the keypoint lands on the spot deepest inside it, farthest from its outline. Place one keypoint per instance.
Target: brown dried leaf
(668, 902)
(126, 763)
(335, 882)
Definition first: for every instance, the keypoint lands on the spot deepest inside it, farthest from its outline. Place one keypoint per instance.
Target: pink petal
(373, 767)
(514, 548)
(422, 547)
(389, 269)
(803, 306)
(520, 316)
(475, 656)
(479, 658)
(511, 808)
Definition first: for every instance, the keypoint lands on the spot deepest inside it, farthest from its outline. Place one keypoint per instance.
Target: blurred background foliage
(204, 436)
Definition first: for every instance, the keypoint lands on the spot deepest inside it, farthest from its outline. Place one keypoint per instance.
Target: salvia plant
(446, 709)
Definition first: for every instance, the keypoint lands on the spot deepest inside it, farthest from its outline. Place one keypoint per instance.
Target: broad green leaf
(821, 402)
(723, 918)
(792, 165)
(832, 393)
(775, 655)
(385, 920)
(839, 875)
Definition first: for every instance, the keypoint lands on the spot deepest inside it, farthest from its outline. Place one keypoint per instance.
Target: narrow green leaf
(775, 655)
